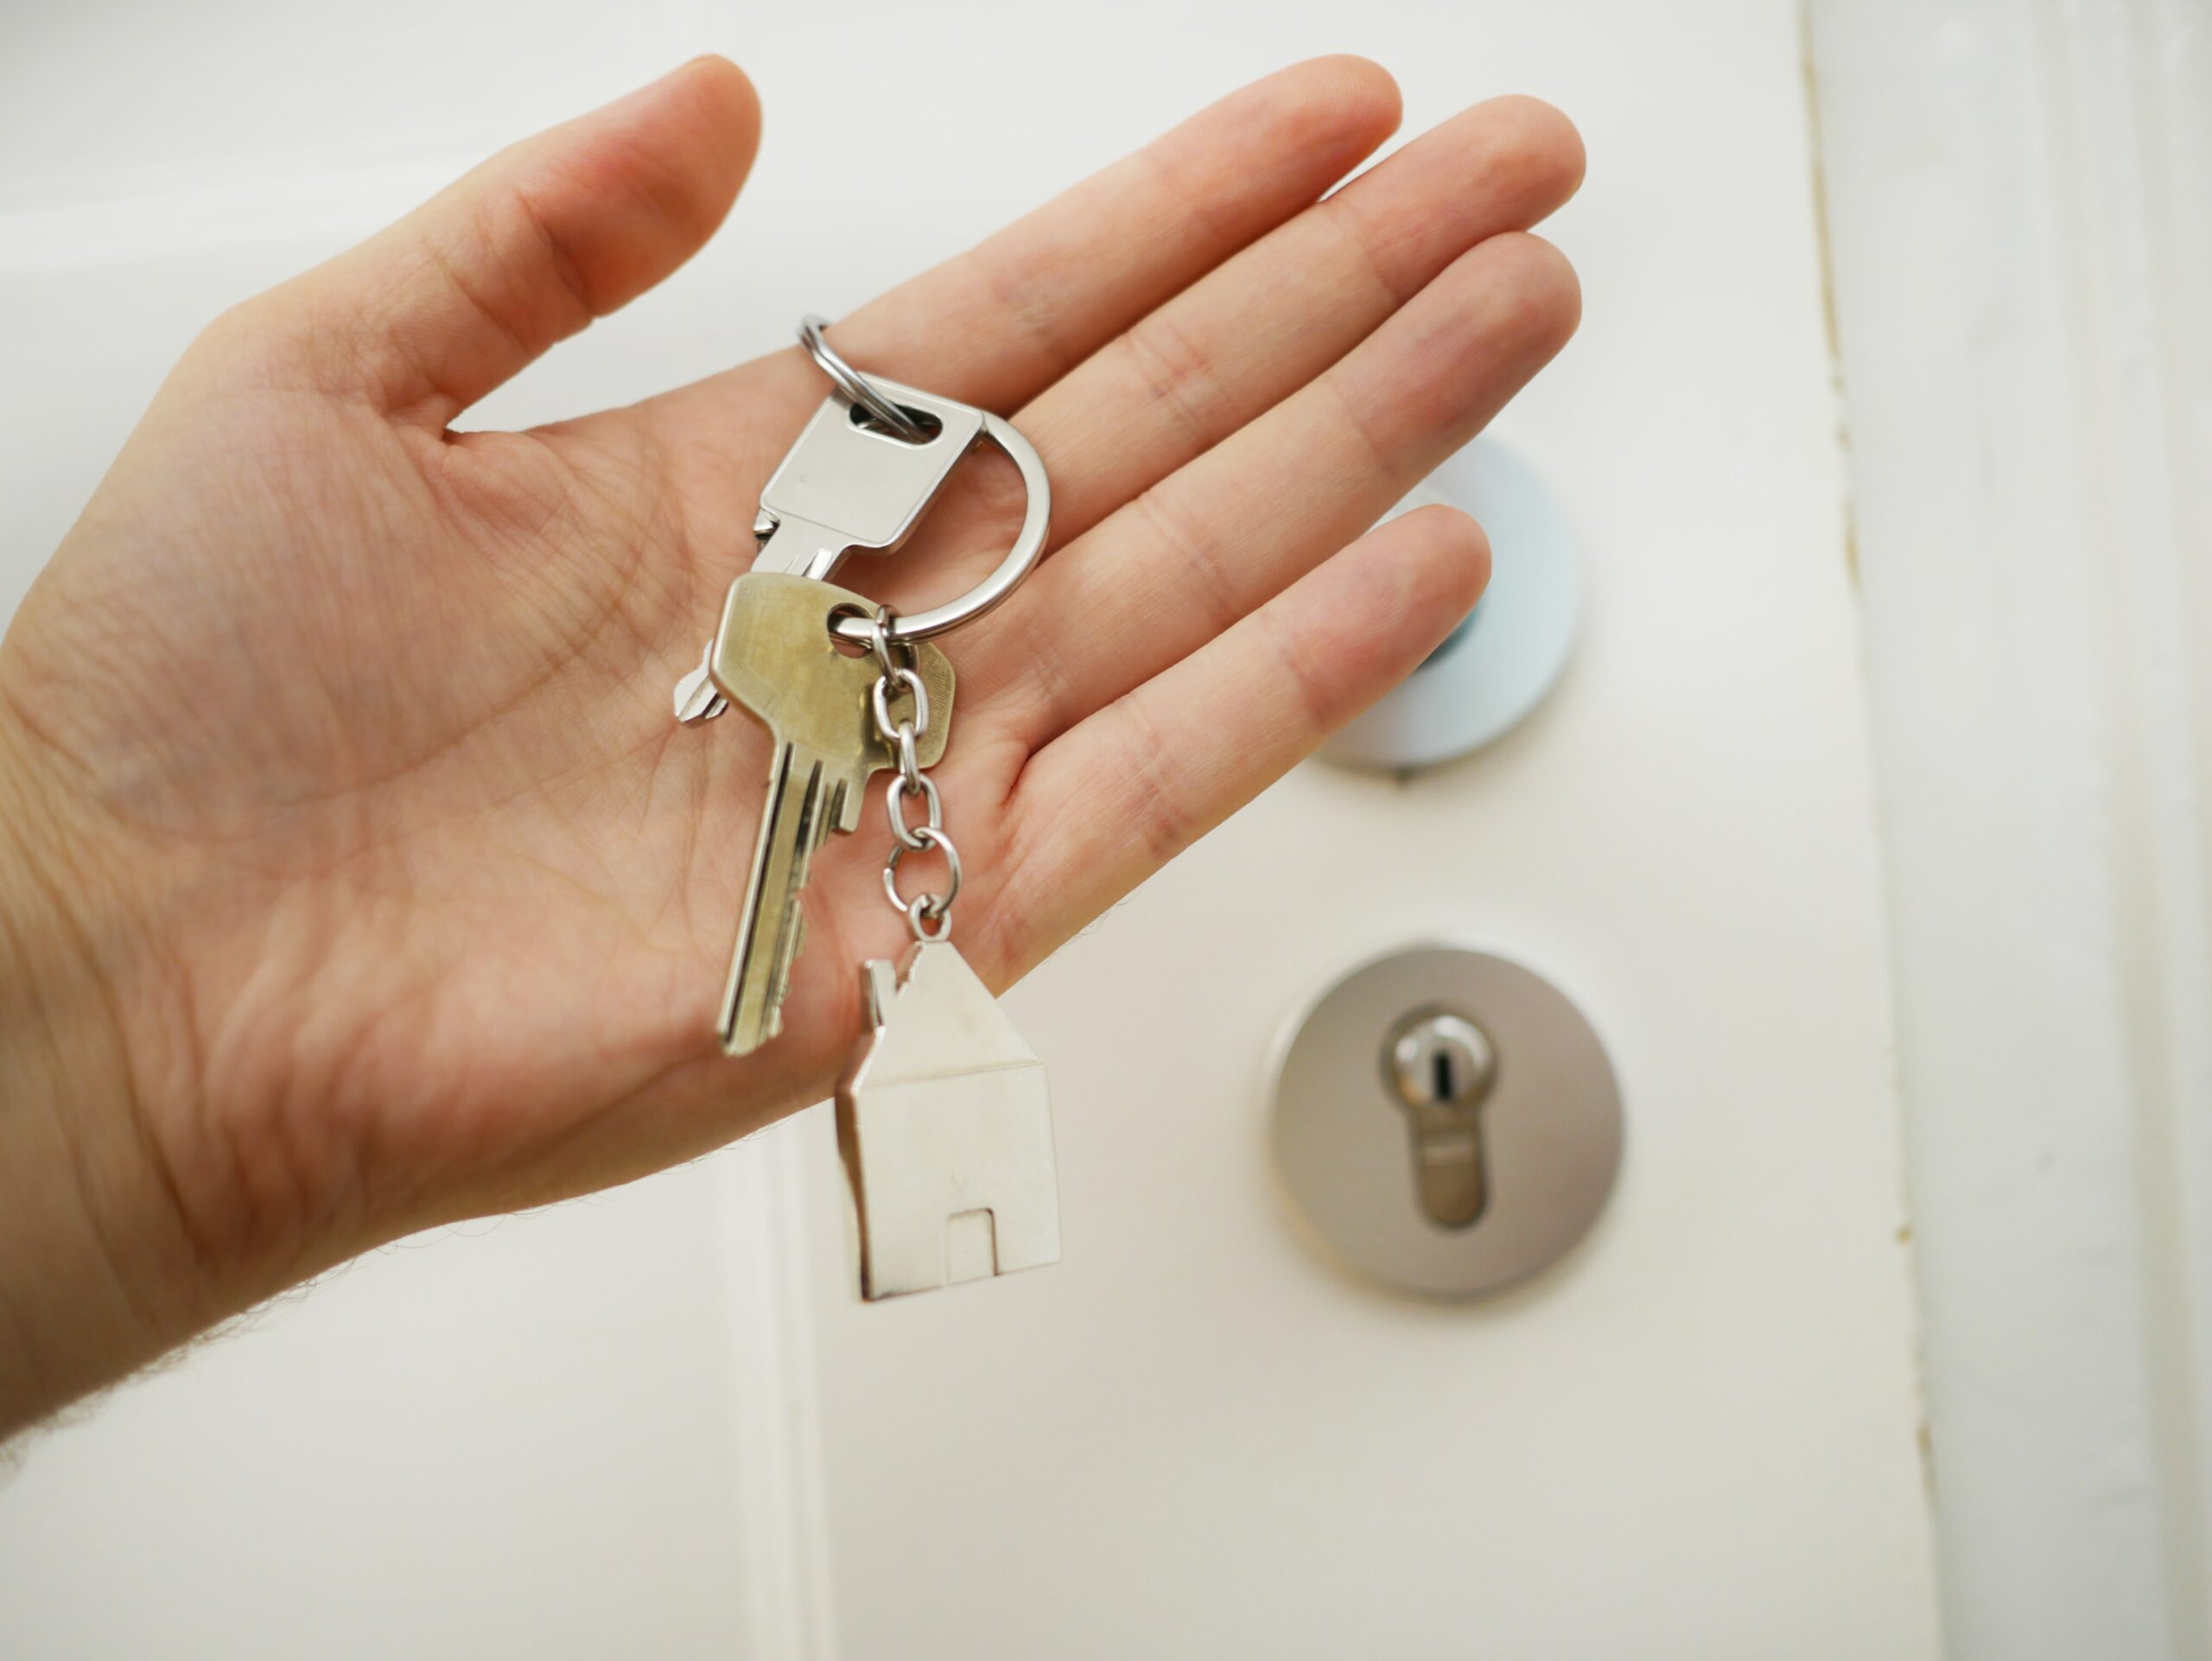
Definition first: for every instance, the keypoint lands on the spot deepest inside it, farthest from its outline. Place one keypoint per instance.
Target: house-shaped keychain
(946, 1133)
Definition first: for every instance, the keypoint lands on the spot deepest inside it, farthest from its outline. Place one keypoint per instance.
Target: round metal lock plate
(1371, 1161)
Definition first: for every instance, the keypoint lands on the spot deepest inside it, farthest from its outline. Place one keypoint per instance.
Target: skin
(383, 891)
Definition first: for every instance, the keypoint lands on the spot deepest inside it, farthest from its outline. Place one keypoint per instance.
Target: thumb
(434, 312)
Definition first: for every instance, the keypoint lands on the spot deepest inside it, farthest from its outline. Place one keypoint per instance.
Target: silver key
(945, 1130)
(845, 487)
(774, 657)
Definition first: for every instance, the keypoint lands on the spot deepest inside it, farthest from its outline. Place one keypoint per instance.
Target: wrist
(98, 1272)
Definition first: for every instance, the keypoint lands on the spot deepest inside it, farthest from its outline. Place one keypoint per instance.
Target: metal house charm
(945, 1130)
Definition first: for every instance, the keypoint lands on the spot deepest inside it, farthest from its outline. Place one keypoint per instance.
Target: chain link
(895, 804)
(929, 915)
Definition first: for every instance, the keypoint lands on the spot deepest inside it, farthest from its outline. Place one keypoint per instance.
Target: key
(845, 487)
(774, 657)
(945, 1131)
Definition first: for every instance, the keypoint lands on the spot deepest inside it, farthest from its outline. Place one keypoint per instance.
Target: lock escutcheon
(1480, 1074)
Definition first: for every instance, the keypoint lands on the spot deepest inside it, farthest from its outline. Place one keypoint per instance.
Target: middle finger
(1265, 323)
(1256, 328)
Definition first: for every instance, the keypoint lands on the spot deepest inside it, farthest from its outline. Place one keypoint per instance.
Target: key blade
(797, 817)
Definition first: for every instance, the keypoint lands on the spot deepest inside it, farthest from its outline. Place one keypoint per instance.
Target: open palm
(433, 900)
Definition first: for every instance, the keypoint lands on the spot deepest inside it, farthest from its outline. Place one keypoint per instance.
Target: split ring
(853, 384)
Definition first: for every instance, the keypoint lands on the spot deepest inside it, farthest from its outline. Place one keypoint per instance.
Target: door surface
(655, 1422)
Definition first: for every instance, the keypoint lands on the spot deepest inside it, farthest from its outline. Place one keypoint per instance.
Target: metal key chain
(944, 1123)
(849, 485)
(929, 916)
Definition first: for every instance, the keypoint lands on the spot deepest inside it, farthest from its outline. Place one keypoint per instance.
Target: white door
(655, 1423)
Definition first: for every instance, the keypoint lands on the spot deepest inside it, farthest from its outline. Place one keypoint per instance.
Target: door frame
(2019, 245)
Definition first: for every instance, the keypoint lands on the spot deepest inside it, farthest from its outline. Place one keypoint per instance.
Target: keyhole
(1441, 1066)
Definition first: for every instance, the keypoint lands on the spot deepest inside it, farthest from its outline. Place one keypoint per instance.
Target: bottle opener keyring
(961, 424)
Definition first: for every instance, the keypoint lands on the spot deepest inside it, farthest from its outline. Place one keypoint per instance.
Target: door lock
(1483, 1076)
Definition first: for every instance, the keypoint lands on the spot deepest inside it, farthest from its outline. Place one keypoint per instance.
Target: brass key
(774, 657)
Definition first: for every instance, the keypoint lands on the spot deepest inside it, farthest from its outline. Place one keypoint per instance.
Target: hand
(362, 880)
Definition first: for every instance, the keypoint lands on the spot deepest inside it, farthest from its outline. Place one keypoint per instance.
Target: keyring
(853, 384)
(882, 399)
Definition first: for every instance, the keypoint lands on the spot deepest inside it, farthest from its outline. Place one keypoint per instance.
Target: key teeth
(796, 932)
